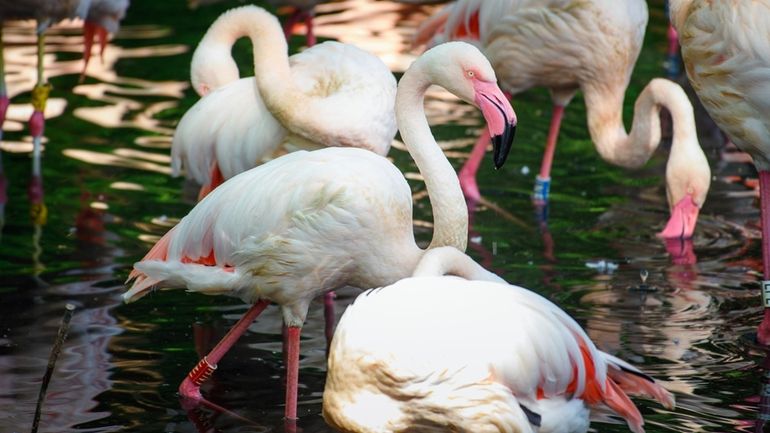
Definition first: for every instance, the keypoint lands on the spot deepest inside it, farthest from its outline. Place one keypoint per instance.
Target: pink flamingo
(724, 47)
(310, 222)
(592, 46)
(441, 353)
(342, 96)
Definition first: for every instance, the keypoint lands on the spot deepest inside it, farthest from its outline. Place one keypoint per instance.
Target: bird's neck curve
(450, 214)
(632, 150)
(441, 261)
(270, 51)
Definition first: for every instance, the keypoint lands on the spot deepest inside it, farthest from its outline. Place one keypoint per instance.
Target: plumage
(310, 222)
(592, 46)
(442, 353)
(349, 95)
(725, 52)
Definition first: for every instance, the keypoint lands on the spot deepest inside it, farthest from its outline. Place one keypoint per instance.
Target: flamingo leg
(329, 318)
(190, 387)
(468, 172)
(763, 333)
(292, 372)
(543, 181)
(291, 22)
(672, 57)
(39, 98)
(309, 35)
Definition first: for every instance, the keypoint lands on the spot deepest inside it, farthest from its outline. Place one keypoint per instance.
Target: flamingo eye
(471, 74)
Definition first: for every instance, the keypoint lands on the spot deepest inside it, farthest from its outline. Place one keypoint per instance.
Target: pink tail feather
(141, 282)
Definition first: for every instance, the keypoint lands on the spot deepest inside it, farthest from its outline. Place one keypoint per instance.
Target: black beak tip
(502, 145)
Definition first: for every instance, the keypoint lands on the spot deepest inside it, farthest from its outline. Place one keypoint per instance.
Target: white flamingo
(332, 94)
(309, 222)
(592, 46)
(440, 353)
(726, 55)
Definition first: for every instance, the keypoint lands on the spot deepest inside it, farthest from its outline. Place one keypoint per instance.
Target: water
(109, 196)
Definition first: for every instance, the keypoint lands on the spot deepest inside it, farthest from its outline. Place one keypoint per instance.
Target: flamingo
(310, 222)
(103, 18)
(590, 45)
(724, 47)
(444, 353)
(341, 96)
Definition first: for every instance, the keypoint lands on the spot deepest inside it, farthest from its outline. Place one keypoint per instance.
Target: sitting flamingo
(442, 353)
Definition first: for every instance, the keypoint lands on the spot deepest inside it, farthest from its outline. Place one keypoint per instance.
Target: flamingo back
(454, 349)
(349, 95)
(724, 46)
(289, 229)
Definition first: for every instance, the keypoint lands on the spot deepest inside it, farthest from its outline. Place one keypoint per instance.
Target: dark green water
(108, 194)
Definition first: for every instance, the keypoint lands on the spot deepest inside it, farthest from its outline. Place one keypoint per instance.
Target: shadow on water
(108, 196)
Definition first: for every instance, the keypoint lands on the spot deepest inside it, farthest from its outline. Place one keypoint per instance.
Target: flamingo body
(592, 46)
(435, 353)
(309, 222)
(725, 52)
(349, 92)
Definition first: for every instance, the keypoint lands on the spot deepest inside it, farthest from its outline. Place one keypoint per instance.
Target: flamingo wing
(467, 335)
(287, 227)
(350, 96)
(230, 127)
(725, 49)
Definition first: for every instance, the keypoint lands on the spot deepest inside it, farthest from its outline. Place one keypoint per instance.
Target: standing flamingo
(588, 45)
(309, 222)
(440, 353)
(341, 96)
(725, 52)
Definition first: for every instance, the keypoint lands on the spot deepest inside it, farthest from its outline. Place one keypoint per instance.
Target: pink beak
(684, 216)
(500, 117)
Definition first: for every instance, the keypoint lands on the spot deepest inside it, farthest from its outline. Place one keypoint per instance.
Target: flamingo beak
(500, 117)
(684, 216)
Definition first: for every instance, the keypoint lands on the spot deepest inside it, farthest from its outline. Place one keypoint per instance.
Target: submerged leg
(467, 174)
(672, 63)
(291, 22)
(543, 181)
(763, 333)
(39, 98)
(292, 372)
(190, 387)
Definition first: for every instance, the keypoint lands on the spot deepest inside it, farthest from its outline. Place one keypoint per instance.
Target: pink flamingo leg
(543, 181)
(309, 35)
(190, 387)
(291, 22)
(292, 372)
(329, 318)
(468, 172)
(763, 333)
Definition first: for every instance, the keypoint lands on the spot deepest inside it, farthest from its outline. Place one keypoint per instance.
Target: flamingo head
(688, 178)
(212, 67)
(463, 70)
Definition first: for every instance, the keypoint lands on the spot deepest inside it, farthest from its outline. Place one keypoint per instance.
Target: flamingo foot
(190, 389)
(541, 192)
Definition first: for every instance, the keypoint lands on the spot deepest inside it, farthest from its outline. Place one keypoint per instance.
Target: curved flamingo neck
(270, 51)
(450, 215)
(450, 261)
(615, 145)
